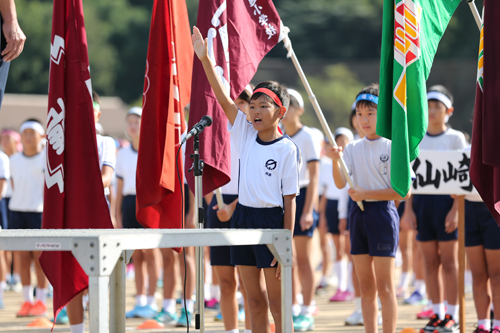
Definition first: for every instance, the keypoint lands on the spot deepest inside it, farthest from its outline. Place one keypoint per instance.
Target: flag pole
(461, 262)
(218, 196)
(317, 108)
(475, 13)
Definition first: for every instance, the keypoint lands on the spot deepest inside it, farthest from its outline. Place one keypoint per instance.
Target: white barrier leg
(286, 298)
(99, 304)
(117, 297)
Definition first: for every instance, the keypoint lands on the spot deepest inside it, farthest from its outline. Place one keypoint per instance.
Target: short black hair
(353, 114)
(34, 120)
(279, 89)
(95, 97)
(372, 89)
(294, 102)
(245, 95)
(442, 89)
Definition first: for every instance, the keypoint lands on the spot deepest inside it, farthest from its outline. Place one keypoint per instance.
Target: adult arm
(13, 34)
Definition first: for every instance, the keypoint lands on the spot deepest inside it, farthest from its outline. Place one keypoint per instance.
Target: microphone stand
(199, 251)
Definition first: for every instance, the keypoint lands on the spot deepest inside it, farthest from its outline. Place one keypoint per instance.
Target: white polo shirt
(310, 150)
(268, 170)
(106, 149)
(4, 172)
(448, 140)
(330, 190)
(126, 168)
(28, 176)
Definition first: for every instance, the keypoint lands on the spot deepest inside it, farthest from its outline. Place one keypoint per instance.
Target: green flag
(411, 33)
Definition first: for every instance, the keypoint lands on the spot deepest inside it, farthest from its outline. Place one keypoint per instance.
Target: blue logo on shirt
(271, 164)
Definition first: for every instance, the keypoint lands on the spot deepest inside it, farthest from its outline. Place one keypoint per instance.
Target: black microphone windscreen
(208, 120)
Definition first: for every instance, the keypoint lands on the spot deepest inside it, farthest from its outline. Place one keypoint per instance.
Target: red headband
(269, 93)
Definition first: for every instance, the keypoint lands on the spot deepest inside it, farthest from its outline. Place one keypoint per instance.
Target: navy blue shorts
(300, 202)
(186, 199)
(219, 255)
(431, 211)
(255, 218)
(25, 220)
(332, 216)
(401, 209)
(480, 226)
(376, 230)
(4, 214)
(129, 219)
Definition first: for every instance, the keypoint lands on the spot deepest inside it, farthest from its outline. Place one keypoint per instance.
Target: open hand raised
(199, 44)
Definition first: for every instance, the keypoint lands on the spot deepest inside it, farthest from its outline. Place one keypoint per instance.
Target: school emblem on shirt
(384, 158)
(271, 164)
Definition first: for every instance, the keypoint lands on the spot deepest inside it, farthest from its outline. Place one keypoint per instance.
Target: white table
(103, 253)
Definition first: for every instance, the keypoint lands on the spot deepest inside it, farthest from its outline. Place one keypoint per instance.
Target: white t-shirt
(369, 163)
(126, 167)
(330, 190)
(107, 154)
(268, 170)
(232, 186)
(310, 150)
(448, 140)
(28, 176)
(4, 172)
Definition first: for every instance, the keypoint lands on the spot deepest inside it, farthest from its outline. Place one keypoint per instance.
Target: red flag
(167, 87)
(240, 34)
(74, 193)
(485, 160)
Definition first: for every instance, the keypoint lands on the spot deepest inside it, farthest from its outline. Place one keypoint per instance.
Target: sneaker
(212, 304)
(416, 299)
(355, 319)
(62, 318)
(166, 317)
(16, 287)
(218, 317)
(183, 319)
(133, 313)
(448, 325)
(432, 324)
(25, 309)
(340, 296)
(303, 323)
(426, 313)
(495, 329)
(241, 313)
(39, 309)
(146, 312)
(481, 329)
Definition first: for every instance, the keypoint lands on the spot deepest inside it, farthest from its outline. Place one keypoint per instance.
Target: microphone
(205, 121)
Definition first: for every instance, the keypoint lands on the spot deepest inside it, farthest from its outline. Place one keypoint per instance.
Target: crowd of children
(293, 181)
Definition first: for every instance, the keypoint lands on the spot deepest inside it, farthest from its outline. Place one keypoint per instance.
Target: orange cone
(41, 322)
(150, 324)
(408, 330)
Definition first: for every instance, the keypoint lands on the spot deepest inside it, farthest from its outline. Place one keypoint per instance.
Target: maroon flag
(485, 160)
(74, 193)
(240, 34)
(167, 87)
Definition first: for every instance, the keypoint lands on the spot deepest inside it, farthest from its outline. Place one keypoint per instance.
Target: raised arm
(201, 49)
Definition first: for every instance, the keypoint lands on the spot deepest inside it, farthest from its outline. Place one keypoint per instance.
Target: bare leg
(228, 302)
(303, 246)
(152, 269)
(257, 298)
(430, 252)
(479, 269)
(493, 260)
(449, 260)
(75, 310)
(138, 261)
(384, 273)
(368, 289)
(170, 273)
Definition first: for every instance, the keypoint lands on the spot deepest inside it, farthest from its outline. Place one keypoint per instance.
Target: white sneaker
(355, 319)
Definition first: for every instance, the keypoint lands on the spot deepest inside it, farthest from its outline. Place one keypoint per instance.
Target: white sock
(420, 287)
(439, 310)
(350, 285)
(496, 323)
(169, 305)
(300, 299)
(233, 331)
(357, 303)
(248, 331)
(141, 300)
(85, 301)
(338, 271)
(28, 293)
(206, 291)
(452, 310)
(343, 275)
(8, 277)
(215, 292)
(16, 278)
(404, 280)
(486, 323)
(189, 305)
(80, 328)
(41, 295)
(492, 307)
(3, 284)
(468, 278)
(306, 310)
(151, 301)
(296, 310)
(445, 304)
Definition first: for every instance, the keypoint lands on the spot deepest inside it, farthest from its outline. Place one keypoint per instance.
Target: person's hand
(225, 213)
(343, 226)
(278, 268)
(334, 153)
(451, 222)
(15, 38)
(199, 44)
(408, 220)
(306, 221)
(357, 193)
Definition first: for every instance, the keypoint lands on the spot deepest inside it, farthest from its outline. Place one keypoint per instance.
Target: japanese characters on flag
(240, 34)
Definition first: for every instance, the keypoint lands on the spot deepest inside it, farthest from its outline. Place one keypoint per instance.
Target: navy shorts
(332, 216)
(128, 213)
(480, 226)
(376, 230)
(219, 255)
(431, 211)
(300, 202)
(255, 218)
(186, 199)
(25, 220)
(4, 214)
(401, 209)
